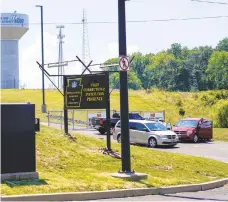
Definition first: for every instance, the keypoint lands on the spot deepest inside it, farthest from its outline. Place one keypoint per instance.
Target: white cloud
(29, 71)
(31, 75)
(113, 50)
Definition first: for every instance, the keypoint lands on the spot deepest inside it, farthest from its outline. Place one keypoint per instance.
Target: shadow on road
(158, 147)
(200, 142)
(192, 198)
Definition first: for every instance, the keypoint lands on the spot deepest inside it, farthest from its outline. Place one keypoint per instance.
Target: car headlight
(189, 132)
(163, 136)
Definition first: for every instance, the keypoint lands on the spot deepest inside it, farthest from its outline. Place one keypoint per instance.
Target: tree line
(178, 69)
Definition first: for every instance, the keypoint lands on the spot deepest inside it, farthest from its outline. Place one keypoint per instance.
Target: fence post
(73, 118)
(48, 118)
(87, 118)
(61, 122)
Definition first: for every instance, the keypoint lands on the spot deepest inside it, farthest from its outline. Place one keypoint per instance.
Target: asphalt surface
(219, 194)
(214, 150)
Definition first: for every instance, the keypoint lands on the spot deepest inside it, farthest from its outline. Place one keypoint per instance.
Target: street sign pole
(65, 110)
(108, 115)
(125, 140)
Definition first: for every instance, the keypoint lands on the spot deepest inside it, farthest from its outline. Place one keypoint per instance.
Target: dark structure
(124, 110)
(18, 148)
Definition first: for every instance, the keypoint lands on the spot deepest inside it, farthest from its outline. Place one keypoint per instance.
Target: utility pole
(60, 59)
(43, 108)
(85, 40)
(125, 137)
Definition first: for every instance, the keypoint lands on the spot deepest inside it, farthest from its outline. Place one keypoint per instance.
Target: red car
(194, 129)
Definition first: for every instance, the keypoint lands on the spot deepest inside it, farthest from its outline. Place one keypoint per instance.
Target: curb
(95, 195)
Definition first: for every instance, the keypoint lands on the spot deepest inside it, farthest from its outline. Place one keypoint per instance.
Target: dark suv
(194, 129)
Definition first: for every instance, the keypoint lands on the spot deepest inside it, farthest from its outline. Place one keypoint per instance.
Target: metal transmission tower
(60, 60)
(85, 40)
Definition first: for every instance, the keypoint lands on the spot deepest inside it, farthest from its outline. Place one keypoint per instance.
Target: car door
(132, 131)
(205, 130)
(141, 136)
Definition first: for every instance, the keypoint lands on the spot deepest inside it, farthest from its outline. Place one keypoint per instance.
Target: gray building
(13, 27)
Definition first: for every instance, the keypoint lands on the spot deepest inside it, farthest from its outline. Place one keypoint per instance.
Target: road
(219, 194)
(214, 150)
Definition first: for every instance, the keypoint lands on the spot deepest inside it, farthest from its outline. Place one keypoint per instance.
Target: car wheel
(119, 138)
(152, 143)
(102, 131)
(195, 138)
(208, 139)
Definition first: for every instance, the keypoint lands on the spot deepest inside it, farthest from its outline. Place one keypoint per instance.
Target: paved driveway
(214, 150)
(219, 194)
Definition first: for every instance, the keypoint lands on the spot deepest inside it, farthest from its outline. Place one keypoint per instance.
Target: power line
(136, 21)
(211, 2)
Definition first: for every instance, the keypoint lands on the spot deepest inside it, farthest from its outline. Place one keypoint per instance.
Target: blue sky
(103, 38)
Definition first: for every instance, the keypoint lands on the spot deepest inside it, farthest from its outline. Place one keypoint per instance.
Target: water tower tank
(13, 27)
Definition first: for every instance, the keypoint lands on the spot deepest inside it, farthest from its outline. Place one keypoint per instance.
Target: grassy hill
(195, 104)
(67, 166)
(199, 104)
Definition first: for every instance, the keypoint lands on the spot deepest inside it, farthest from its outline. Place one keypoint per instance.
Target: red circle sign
(124, 63)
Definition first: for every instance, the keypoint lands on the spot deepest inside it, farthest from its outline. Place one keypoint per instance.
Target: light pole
(43, 107)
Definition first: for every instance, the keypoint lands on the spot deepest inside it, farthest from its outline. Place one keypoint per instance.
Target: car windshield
(187, 123)
(155, 126)
(134, 116)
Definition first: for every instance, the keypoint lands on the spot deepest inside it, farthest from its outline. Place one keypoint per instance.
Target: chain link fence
(81, 119)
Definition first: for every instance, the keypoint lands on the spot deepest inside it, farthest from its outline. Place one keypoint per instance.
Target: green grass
(68, 166)
(220, 134)
(195, 104)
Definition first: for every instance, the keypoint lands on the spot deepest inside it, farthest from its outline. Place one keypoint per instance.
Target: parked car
(100, 124)
(194, 129)
(151, 133)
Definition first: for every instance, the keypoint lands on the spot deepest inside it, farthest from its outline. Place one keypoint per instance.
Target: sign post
(108, 139)
(125, 140)
(124, 63)
(65, 110)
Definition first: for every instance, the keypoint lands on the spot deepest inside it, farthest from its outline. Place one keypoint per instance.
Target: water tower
(13, 27)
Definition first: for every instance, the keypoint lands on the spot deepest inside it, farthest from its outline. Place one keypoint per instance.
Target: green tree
(133, 81)
(195, 65)
(217, 69)
(176, 50)
(161, 71)
(222, 45)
